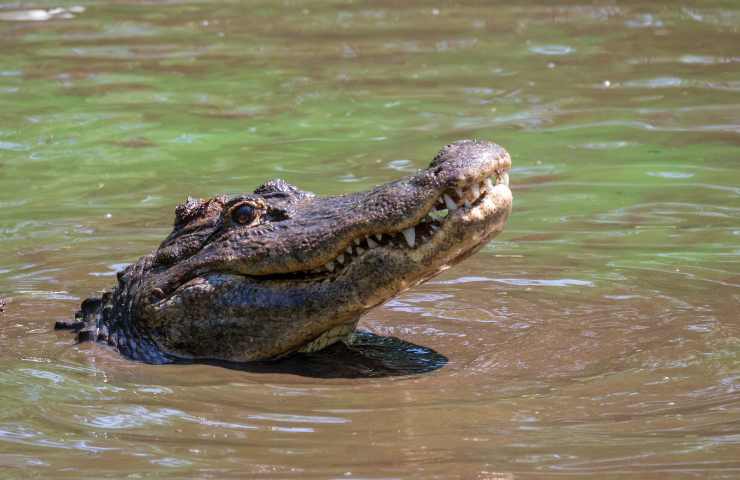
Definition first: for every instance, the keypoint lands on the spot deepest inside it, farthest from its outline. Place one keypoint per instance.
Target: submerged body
(262, 275)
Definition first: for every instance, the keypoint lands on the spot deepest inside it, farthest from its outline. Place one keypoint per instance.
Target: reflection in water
(366, 356)
(598, 338)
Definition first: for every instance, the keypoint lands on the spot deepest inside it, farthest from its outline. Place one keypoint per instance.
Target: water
(597, 337)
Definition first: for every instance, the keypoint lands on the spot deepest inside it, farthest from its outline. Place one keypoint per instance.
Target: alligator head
(262, 275)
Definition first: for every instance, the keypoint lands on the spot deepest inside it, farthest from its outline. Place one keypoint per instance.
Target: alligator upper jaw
(444, 227)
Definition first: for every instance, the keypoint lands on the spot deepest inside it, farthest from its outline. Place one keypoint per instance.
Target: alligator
(260, 276)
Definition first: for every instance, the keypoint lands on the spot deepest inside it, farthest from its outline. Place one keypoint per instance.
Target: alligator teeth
(371, 243)
(489, 185)
(467, 203)
(349, 250)
(410, 235)
(505, 178)
(379, 236)
(329, 266)
(360, 250)
(451, 205)
(434, 227)
(357, 241)
(459, 192)
(475, 189)
(340, 258)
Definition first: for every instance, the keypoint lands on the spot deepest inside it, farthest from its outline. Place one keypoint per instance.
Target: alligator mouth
(450, 203)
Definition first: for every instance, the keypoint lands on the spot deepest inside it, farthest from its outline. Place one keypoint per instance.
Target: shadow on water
(367, 356)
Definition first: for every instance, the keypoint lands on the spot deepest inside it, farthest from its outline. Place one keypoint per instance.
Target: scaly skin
(259, 276)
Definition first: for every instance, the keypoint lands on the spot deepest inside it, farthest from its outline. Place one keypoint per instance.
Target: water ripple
(519, 282)
(282, 417)
(552, 49)
(133, 417)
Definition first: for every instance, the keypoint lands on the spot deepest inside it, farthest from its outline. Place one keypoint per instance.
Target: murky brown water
(599, 336)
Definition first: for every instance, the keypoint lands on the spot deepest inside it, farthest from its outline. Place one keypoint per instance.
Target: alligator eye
(244, 214)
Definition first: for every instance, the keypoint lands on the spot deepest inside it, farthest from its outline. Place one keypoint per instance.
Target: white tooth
(467, 203)
(451, 205)
(434, 227)
(340, 258)
(329, 266)
(360, 250)
(476, 190)
(371, 243)
(357, 241)
(505, 178)
(459, 192)
(379, 236)
(349, 250)
(410, 235)
(489, 185)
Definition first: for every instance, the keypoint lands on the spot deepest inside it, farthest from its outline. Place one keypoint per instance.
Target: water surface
(598, 336)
